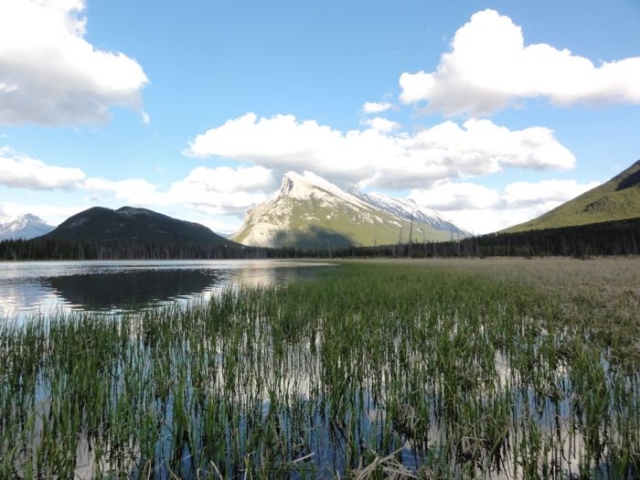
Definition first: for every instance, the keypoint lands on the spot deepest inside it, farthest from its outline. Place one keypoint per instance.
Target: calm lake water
(118, 286)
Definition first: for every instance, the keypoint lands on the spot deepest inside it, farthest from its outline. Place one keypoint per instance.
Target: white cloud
(216, 197)
(228, 180)
(223, 190)
(282, 143)
(374, 158)
(382, 125)
(49, 74)
(219, 191)
(489, 68)
(448, 196)
(134, 191)
(481, 147)
(211, 218)
(20, 171)
(281, 136)
(480, 209)
(376, 107)
(548, 192)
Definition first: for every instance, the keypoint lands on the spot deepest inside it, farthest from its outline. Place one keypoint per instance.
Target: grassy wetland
(431, 369)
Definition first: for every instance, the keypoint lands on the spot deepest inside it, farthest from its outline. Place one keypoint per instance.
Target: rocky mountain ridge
(310, 212)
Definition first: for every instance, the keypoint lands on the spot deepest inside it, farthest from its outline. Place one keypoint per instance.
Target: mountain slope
(133, 225)
(409, 210)
(25, 227)
(617, 199)
(309, 212)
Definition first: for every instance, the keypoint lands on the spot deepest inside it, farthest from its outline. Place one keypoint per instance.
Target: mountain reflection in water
(119, 286)
(130, 290)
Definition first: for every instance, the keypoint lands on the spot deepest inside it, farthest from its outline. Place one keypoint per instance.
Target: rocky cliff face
(310, 212)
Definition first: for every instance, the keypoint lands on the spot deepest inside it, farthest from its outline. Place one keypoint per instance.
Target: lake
(402, 369)
(27, 288)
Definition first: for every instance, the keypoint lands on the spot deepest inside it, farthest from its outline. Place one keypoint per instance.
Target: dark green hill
(127, 225)
(617, 199)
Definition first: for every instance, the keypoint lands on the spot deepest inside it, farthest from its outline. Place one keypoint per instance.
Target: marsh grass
(373, 370)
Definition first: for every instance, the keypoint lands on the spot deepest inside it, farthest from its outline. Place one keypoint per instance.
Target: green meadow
(502, 368)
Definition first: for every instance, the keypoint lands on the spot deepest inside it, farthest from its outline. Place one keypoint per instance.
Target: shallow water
(320, 381)
(28, 288)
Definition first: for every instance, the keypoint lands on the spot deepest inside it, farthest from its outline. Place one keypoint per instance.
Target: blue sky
(491, 112)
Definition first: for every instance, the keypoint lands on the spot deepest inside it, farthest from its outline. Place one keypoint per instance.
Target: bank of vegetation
(620, 237)
(372, 371)
(599, 239)
(44, 248)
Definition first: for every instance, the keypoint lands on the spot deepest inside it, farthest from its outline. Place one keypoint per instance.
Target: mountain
(617, 199)
(310, 212)
(101, 225)
(26, 227)
(409, 210)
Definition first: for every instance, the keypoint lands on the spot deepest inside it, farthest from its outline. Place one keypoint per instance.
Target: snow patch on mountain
(409, 210)
(26, 226)
(309, 185)
(306, 204)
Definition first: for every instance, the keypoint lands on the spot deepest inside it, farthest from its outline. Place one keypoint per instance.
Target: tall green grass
(369, 371)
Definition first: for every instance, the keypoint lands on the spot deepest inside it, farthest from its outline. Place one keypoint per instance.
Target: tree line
(609, 238)
(43, 248)
(600, 239)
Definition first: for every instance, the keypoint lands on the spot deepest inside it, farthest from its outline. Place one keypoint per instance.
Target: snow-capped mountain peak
(310, 211)
(26, 226)
(299, 186)
(406, 208)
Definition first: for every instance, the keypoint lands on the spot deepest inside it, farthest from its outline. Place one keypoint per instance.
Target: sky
(491, 112)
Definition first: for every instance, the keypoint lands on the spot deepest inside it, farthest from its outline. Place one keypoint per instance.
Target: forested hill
(104, 226)
(617, 199)
(125, 233)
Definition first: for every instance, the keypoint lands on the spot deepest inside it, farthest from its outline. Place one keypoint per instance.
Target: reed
(372, 370)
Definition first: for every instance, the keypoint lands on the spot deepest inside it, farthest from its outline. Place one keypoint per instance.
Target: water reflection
(46, 287)
(130, 290)
(27, 295)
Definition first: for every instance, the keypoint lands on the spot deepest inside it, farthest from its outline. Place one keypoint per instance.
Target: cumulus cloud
(134, 191)
(376, 158)
(216, 197)
(547, 192)
(489, 68)
(224, 190)
(220, 191)
(382, 125)
(49, 74)
(480, 147)
(228, 180)
(20, 171)
(482, 210)
(376, 107)
(448, 196)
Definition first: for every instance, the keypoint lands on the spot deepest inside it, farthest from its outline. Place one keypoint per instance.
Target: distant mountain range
(25, 227)
(127, 225)
(617, 199)
(310, 212)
